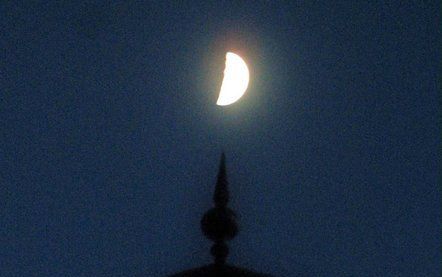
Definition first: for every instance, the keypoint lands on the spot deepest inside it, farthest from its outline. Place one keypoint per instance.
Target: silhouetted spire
(219, 223)
(221, 195)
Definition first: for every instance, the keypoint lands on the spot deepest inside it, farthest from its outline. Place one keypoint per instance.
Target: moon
(235, 81)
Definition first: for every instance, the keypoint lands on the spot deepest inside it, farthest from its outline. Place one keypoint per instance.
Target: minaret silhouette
(219, 225)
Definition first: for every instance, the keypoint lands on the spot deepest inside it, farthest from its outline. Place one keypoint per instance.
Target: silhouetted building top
(219, 225)
(213, 270)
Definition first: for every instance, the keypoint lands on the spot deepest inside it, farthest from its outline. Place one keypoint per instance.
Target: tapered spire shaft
(219, 223)
(221, 195)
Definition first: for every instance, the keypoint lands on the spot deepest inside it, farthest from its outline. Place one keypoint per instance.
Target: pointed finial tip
(222, 165)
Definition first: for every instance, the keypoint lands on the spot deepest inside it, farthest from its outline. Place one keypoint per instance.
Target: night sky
(110, 138)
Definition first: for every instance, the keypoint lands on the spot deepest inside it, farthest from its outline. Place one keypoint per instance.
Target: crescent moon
(235, 81)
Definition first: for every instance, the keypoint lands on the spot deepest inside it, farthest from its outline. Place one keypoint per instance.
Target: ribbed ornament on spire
(219, 223)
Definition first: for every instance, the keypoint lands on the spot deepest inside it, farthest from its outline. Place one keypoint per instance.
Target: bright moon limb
(236, 80)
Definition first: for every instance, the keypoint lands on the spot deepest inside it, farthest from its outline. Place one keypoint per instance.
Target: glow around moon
(236, 80)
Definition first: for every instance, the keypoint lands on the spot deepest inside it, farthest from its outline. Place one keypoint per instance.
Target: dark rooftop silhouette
(219, 225)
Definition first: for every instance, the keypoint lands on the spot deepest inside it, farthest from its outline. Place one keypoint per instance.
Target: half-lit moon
(236, 80)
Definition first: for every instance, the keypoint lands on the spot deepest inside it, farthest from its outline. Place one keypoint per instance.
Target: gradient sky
(110, 137)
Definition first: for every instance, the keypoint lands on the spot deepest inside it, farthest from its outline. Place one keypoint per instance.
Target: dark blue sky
(110, 136)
